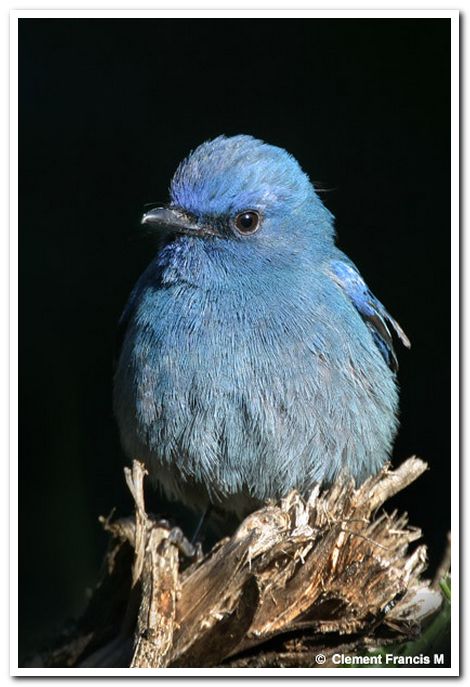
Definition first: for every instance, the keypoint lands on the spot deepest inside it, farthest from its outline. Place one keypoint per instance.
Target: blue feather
(252, 364)
(371, 309)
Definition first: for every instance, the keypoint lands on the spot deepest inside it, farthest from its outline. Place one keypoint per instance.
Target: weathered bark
(297, 578)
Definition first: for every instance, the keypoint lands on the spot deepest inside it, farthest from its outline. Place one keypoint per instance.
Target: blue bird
(255, 359)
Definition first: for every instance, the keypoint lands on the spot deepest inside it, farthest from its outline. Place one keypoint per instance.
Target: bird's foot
(191, 550)
(176, 537)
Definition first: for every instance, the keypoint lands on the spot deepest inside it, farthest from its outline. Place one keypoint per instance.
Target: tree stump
(333, 573)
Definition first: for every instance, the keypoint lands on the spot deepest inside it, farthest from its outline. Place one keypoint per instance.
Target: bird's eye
(247, 222)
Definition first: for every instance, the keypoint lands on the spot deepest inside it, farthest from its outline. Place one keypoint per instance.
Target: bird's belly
(240, 414)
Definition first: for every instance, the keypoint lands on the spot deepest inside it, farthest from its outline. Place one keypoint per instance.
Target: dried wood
(331, 571)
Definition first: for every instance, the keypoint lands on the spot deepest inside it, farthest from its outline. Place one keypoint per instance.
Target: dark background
(107, 108)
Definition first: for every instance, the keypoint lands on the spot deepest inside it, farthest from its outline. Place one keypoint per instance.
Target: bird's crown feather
(229, 174)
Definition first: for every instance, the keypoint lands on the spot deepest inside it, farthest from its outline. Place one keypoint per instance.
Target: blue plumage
(255, 359)
(370, 308)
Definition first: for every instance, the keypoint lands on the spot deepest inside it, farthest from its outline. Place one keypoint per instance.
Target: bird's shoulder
(345, 274)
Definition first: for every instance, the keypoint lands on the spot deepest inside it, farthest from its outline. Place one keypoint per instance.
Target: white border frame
(453, 15)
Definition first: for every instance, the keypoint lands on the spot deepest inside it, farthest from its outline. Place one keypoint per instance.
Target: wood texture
(301, 576)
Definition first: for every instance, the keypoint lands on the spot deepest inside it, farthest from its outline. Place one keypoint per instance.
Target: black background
(107, 108)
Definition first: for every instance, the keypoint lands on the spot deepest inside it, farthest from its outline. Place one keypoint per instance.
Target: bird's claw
(185, 547)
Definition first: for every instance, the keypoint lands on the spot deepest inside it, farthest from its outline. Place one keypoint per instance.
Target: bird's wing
(126, 316)
(370, 308)
(122, 328)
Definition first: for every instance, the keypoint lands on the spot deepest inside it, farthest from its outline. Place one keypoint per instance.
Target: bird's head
(234, 191)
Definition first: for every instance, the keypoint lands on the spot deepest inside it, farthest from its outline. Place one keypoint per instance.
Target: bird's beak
(174, 221)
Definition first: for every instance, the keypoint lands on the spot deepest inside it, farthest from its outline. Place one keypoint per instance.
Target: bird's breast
(212, 346)
(213, 378)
